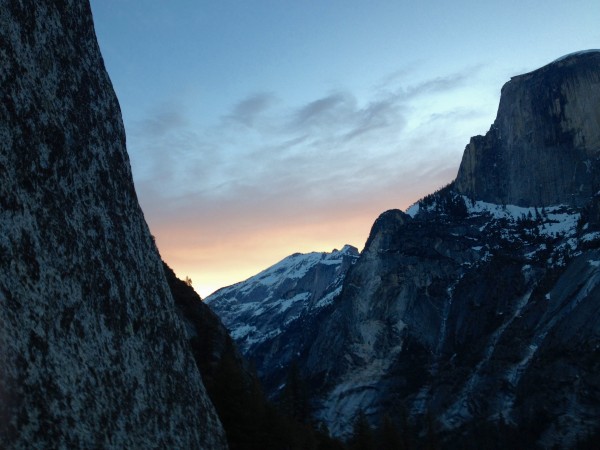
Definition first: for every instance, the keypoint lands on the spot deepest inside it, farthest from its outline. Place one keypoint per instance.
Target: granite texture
(544, 146)
(93, 354)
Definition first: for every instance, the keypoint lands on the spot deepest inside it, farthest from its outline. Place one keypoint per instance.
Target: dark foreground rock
(93, 354)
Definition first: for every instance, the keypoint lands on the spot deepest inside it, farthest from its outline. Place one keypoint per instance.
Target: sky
(261, 128)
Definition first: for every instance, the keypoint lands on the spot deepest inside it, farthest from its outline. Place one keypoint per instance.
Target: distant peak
(347, 249)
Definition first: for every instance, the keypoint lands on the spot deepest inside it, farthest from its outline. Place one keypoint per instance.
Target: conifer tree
(362, 435)
(295, 400)
(389, 437)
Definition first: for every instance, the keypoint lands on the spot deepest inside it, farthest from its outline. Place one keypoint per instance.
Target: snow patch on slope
(557, 219)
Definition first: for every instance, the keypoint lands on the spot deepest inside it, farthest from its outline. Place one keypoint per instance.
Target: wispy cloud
(305, 151)
(267, 166)
(332, 109)
(247, 110)
(161, 122)
(441, 84)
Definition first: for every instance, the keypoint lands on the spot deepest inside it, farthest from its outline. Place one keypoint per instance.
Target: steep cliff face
(390, 303)
(93, 353)
(472, 313)
(544, 147)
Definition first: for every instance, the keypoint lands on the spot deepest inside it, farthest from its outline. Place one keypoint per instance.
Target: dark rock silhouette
(93, 354)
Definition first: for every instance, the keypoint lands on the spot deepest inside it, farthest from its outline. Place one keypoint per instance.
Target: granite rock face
(93, 354)
(544, 147)
(470, 313)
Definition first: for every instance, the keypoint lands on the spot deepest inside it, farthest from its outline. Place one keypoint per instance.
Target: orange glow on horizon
(219, 245)
(214, 261)
(221, 263)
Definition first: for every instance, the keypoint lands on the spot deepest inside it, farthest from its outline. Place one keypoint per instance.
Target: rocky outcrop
(544, 147)
(467, 314)
(93, 354)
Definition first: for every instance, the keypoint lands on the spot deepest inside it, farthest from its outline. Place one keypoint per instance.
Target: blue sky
(260, 128)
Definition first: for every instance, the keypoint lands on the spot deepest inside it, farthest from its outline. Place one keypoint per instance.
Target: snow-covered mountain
(263, 312)
(476, 312)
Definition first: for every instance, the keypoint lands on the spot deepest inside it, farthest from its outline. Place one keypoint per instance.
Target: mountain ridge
(463, 309)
